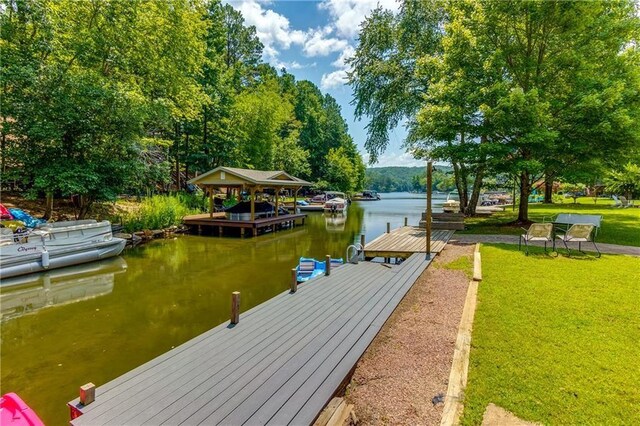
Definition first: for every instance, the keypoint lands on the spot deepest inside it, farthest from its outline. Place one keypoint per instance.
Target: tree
(99, 73)
(523, 88)
(624, 181)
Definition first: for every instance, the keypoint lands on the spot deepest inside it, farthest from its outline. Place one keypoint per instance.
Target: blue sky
(312, 40)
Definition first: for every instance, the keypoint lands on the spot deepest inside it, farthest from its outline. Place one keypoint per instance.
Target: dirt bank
(402, 377)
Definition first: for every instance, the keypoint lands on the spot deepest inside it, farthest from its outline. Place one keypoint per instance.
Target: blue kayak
(310, 268)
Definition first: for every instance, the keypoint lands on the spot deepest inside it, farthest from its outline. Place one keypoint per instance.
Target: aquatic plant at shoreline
(162, 211)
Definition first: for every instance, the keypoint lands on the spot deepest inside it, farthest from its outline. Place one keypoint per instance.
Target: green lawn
(619, 226)
(556, 339)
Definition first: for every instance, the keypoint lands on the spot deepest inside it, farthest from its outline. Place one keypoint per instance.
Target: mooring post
(362, 240)
(327, 265)
(406, 221)
(388, 227)
(235, 307)
(294, 280)
(87, 393)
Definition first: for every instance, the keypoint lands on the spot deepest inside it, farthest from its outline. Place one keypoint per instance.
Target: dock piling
(294, 280)
(327, 265)
(388, 227)
(87, 393)
(406, 221)
(235, 307)
(362, 240)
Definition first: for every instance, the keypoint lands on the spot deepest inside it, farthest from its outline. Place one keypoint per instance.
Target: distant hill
(411, 179)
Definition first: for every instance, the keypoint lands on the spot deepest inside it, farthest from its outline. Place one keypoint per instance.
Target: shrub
(162, 211)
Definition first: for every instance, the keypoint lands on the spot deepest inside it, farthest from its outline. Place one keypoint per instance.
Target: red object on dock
(14, 411)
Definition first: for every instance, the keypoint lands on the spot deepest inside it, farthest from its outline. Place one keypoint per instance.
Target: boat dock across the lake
(280, 364)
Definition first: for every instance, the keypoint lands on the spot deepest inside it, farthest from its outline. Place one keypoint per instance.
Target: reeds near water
(163, 211)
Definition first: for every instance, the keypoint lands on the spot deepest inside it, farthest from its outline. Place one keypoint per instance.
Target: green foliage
(520, 88)
(624, 181)
(162, 211)
(408, 179)
(551, 338)
(103, 97)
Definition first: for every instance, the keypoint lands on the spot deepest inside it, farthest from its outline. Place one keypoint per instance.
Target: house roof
(252, 177)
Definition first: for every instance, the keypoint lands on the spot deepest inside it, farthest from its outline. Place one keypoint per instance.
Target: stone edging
(453, 402)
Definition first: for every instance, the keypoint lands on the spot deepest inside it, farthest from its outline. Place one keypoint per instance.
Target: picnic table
(565, 220)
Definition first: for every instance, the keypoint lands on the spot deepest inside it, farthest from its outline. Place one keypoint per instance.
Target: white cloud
(348, 14)
(319, 43)
(294, 65)
(339, 77)
(272, 29)
(333, 79)
(346, 54)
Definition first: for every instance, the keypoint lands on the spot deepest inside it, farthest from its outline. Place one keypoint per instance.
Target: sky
(312, 40)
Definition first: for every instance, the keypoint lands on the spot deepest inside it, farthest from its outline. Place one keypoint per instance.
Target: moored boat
(56, 245)
(336, 203)
(310, 268)
(367, 196)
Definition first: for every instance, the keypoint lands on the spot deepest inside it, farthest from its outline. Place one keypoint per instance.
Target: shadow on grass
(538, 253)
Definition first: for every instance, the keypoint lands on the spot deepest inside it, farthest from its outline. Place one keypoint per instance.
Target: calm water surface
(93, 323)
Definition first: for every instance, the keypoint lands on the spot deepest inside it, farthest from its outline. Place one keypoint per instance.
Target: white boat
(56, 245)
(337, 204)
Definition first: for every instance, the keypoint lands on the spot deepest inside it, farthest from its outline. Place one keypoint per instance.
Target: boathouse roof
(231, 176)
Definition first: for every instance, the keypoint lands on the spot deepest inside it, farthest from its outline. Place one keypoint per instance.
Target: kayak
(14, 411)
(310, 268)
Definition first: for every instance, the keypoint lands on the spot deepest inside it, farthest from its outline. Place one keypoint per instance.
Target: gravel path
(402, 377)
(513, 239)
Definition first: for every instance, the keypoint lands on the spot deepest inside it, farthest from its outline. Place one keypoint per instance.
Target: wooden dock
(280, 364)
(404, 241)
(218, 223)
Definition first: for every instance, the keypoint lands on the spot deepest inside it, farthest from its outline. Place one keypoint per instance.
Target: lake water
(95, 322)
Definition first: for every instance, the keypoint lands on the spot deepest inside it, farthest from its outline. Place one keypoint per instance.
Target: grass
(619, 226)
(162, 211)
(555, 339)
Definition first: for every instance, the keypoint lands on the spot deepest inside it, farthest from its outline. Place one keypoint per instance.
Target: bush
(162, 211)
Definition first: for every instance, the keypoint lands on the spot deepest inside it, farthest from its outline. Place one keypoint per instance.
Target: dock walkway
(220, 223)
(280, 364)
(405, 241)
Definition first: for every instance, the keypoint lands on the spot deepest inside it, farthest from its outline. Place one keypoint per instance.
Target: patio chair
(537, 232)
(616, 201)
(580, 233)
(625, 203)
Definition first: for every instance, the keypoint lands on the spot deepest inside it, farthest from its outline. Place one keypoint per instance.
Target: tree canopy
(530, 89)
(106, 96)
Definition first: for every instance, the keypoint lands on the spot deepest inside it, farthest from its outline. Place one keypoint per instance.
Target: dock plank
(404, 241)
(284, 359)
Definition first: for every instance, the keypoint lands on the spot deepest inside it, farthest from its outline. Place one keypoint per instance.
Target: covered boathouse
(252, 182)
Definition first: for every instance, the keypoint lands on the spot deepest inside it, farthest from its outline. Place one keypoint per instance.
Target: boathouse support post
(211, 202)
(277, 191)
(428, 215)
(252, 191)
(327, 265)
(235, 307)
(87, 393)
(294, 280)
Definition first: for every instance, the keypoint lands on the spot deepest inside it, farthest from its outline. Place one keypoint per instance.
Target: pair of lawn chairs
(578, 232)
(621, 202)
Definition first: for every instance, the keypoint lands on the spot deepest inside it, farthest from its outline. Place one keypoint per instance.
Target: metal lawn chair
(580, 233)
(537, 232)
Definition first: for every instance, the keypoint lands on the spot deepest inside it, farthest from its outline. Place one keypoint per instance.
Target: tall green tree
(100, 73)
